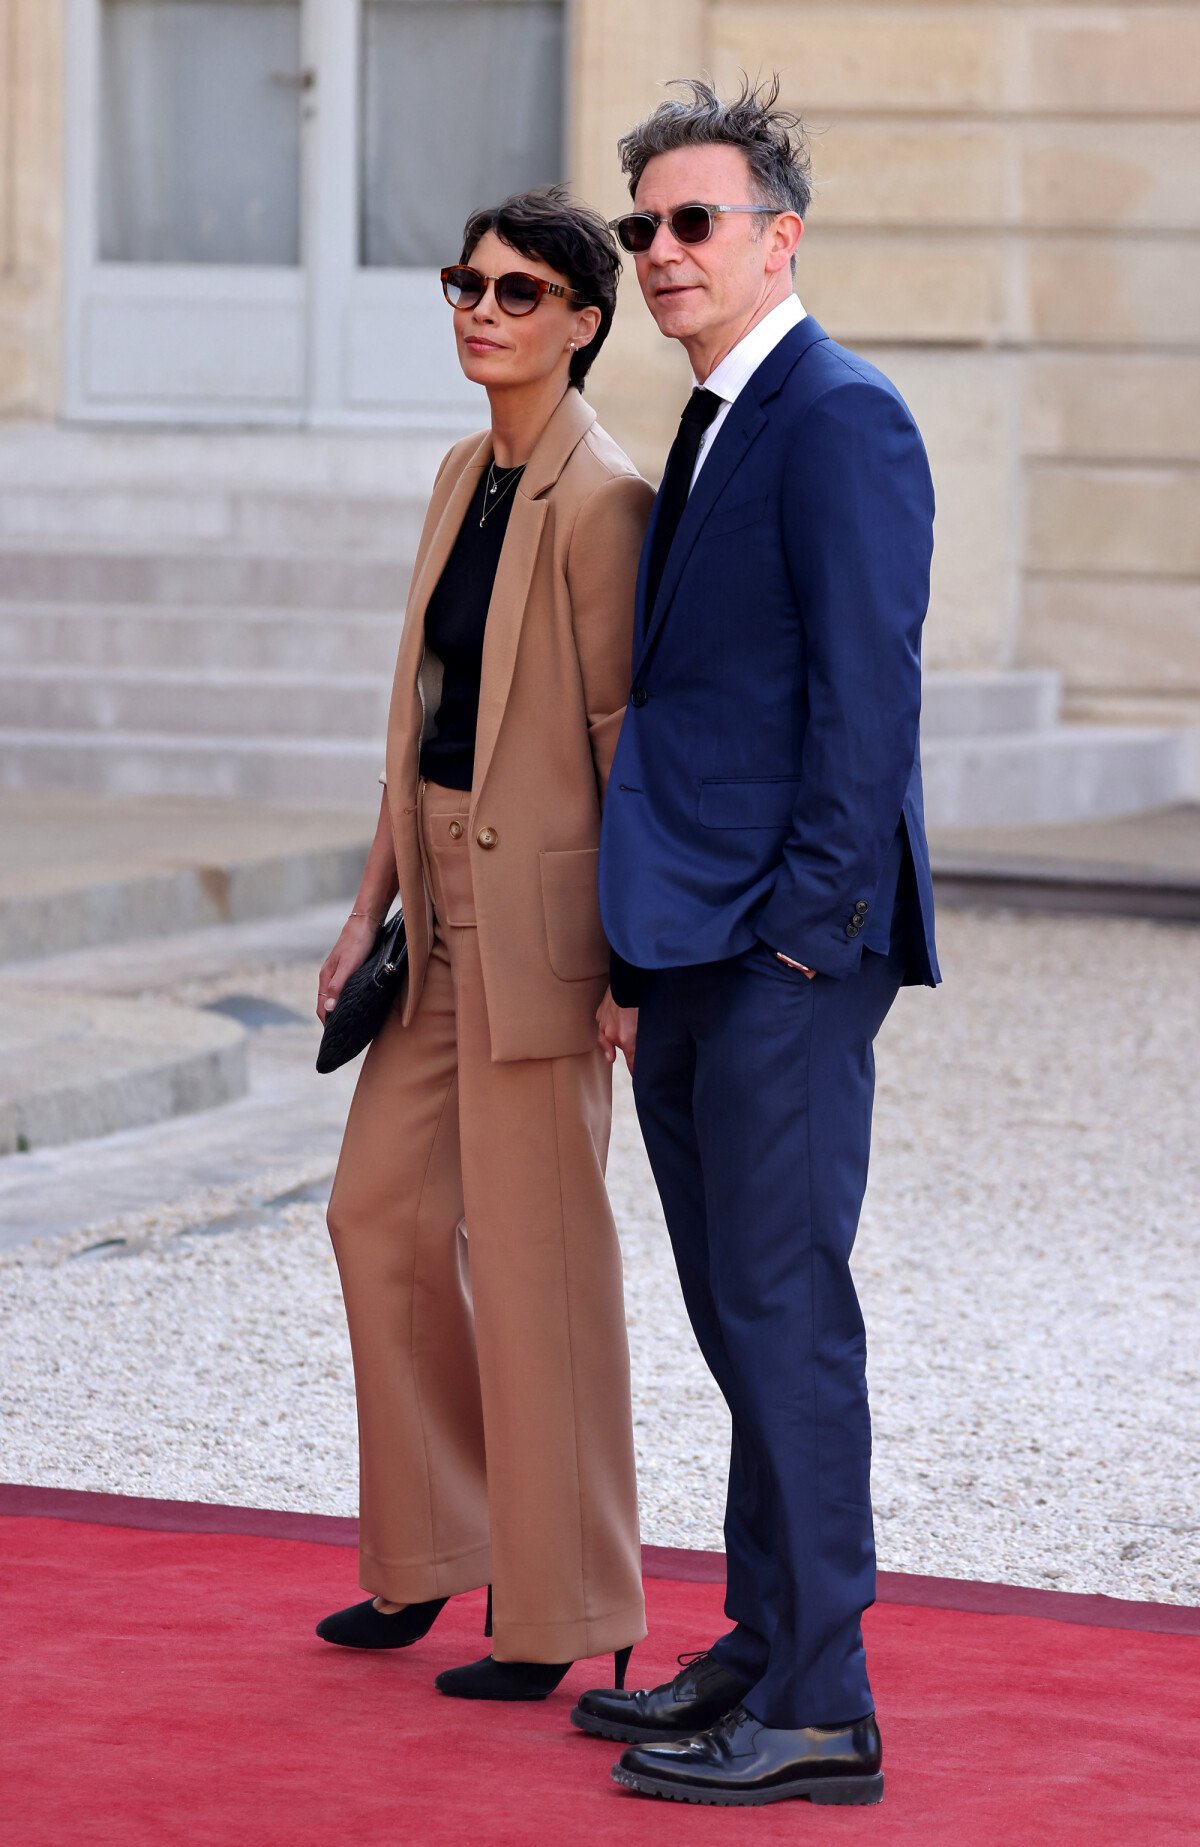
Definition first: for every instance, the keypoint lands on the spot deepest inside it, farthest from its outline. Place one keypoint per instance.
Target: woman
(491, 1368)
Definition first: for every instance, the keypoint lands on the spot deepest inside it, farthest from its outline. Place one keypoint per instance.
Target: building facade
(230, 212)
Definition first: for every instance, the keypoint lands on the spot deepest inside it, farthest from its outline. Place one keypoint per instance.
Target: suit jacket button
(638, 696)
(487, 836)
(861, 907)
(456, 828)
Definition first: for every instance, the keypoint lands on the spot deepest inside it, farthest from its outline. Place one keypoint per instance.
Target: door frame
(325, 344)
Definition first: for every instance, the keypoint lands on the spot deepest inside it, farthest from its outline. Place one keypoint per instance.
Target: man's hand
(616, 1029)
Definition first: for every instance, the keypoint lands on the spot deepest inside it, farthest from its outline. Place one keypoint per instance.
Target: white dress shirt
(742, 361)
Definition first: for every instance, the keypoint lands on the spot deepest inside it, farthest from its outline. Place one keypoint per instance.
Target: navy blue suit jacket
(767, 780)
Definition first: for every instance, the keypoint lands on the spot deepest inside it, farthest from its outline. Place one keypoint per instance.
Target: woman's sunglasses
(688, 224)
(516, 293)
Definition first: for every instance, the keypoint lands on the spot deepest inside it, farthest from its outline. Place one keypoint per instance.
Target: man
(765, 886)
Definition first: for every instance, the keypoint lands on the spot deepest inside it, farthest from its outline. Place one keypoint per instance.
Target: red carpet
(165, 1687)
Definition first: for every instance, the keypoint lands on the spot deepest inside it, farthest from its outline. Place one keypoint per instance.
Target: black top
(454, 626)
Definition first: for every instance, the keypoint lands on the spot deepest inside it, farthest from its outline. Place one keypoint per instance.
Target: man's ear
(785, 233)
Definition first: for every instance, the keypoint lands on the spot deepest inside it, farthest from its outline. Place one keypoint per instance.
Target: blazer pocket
(733, 518)
(575, 936)
(747, 801)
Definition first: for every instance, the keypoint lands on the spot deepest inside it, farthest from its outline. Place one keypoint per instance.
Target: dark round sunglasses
(688, 224)
(516, 293)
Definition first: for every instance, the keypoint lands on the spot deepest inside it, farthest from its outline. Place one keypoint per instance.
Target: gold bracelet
(371, 916)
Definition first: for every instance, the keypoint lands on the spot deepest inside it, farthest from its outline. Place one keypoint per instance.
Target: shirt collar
(742, 362)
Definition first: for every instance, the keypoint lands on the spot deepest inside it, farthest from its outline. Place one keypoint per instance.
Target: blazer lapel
(506, 613)
(518, 558)
(734, 438)
(746, 420)
(406, 715)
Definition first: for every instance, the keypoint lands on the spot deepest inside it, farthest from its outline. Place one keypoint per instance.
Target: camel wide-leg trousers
(491, 1362)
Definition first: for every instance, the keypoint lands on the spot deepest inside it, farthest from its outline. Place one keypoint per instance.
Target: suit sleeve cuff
(625, 981)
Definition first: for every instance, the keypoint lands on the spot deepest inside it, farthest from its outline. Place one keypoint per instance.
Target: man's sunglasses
(688, 224)
(516, 293)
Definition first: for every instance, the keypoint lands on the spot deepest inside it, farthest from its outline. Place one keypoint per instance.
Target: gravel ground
(1027, 1263)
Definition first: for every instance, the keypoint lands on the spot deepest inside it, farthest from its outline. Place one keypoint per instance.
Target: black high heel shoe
(363, 1626)
(515, 1680)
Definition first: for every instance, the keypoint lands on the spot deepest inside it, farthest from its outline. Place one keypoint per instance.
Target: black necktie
(698, 413)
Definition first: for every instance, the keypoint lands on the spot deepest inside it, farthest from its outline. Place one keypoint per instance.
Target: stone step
(73, 1067)
(81, 870)
(332, 703)
(200, 638)
(45, 457)
(983, 703)
(299, 771)
(82, 520)
(205, 576)
(88, 699)
(1063, 774)
(1067, 773)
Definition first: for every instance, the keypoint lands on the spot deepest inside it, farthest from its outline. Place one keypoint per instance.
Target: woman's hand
(616, 1029)
(350, 951)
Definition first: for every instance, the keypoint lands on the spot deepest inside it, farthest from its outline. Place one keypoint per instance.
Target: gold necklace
(494, 487)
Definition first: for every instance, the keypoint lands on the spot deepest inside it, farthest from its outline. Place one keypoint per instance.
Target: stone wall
(1005, 217)
(31, 207)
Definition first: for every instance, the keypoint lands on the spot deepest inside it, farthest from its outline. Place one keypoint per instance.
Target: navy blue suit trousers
(772, 1076)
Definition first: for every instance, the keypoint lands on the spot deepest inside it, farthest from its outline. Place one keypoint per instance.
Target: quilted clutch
(368, 997)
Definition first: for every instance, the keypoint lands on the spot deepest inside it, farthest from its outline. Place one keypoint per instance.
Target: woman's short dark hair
(552, 227)
(772, 139)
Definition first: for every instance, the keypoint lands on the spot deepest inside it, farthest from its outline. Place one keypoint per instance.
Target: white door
(261, 192)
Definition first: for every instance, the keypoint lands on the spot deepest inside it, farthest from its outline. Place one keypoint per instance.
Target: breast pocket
(575, 937)
(733, 518)
(747, 801)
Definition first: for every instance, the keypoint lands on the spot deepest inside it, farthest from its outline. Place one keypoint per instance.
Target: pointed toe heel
(502, 1680)
(515, 1680)
(363, 1626)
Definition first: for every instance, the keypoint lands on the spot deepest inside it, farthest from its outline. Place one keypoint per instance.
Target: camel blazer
(556, 663)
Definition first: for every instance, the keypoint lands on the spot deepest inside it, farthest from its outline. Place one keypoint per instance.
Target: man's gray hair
(772, 139)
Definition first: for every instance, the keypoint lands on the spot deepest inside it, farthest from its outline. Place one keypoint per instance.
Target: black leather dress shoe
(701, 1693)
(742, 1763)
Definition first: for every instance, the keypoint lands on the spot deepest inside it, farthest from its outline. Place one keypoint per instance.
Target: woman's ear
(587, 323)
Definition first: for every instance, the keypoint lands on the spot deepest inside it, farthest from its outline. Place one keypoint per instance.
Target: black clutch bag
(366, 1000)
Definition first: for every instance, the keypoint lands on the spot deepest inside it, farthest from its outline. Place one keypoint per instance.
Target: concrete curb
(166, 903)
(75, 1067)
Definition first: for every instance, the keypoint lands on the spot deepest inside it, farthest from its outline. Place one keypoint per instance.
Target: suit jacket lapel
(734, 438)
(510, 595)
(506, 613)
(405, 719)
(746, 420)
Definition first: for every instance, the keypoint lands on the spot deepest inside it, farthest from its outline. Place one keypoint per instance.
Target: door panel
(461, 103)
(206, 349)
(185, 298)
(199, 132)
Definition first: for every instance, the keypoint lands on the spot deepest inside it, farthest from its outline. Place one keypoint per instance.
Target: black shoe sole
(626, 1734)
(372, 1648)
(839, 1791)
